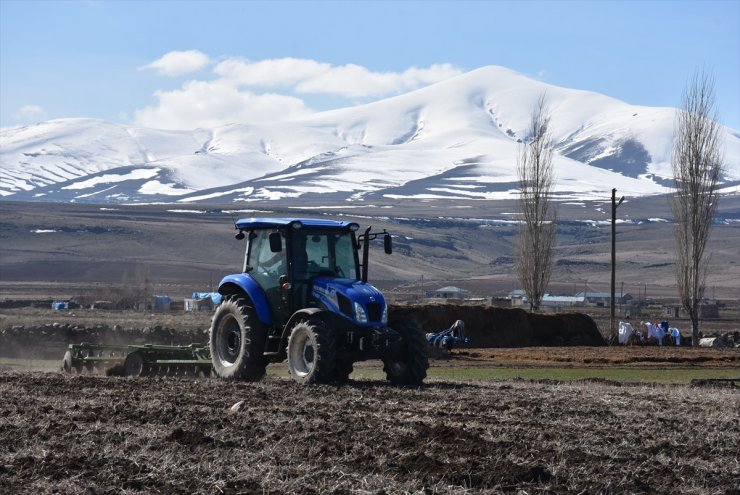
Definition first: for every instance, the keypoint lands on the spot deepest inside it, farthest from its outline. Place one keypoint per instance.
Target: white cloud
(355, 81)
(351, 81)
(230, 99)
(178, 63)
(209, 104)
(282, 72)
(29, 113)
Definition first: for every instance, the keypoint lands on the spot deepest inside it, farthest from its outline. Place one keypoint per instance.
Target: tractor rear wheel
(237, 341)
(311, 352)
(410, 368)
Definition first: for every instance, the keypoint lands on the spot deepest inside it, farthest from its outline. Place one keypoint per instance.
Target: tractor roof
(274, 223)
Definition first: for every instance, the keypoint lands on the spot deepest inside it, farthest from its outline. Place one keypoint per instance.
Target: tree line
(697, 163)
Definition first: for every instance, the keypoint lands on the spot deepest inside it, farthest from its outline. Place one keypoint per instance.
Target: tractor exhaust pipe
(365, 253)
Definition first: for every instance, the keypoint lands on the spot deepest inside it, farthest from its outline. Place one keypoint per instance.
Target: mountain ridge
(454, 139)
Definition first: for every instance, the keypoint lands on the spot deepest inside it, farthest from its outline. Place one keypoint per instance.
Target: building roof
(561, 299)
(601, 295)
(451, 289)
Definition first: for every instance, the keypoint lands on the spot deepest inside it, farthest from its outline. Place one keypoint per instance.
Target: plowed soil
(91, 434)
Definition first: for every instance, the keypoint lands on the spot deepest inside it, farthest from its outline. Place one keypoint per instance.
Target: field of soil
(70, 433)
(64, 433)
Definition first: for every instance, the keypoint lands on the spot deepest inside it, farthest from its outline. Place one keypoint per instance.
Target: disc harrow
(139, 360)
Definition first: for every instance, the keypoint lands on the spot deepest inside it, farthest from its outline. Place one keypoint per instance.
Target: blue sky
(184, 64)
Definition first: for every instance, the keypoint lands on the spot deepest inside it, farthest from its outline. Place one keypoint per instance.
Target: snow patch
(138, 174)
(156, 187)
(245, 190)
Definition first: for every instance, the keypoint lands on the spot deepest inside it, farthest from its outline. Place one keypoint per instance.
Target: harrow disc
(134, 364)
(67, 362)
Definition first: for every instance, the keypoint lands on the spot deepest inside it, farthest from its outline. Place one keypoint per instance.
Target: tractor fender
(301, 314)
(242, 282)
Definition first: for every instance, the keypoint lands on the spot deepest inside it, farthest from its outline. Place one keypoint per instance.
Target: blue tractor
(303, 296)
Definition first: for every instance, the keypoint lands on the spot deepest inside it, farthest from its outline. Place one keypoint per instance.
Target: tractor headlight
(385, 314)
(360, 314)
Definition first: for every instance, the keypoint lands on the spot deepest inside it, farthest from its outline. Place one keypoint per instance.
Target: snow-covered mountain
(454, 139)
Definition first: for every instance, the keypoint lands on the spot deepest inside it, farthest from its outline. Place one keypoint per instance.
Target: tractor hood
(357, 301)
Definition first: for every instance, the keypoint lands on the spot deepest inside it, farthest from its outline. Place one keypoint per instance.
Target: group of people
(662, 332)
(647, 333)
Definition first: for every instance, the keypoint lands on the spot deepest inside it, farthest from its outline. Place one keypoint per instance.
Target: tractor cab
(307, 263)
(303, 282)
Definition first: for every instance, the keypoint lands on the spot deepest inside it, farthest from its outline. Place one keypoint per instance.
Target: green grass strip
(631, 375)
(627, 375)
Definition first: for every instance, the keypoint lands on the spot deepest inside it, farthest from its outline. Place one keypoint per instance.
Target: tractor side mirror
(387, 243)
(276, 242)
(239, 236)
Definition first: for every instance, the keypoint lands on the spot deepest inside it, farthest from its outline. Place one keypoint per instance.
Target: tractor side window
(267, 266)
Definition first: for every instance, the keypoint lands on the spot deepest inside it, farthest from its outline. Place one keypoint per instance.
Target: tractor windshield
(324, 253)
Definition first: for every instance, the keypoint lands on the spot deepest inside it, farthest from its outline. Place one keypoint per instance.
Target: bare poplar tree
(697, 168)
(537, 232)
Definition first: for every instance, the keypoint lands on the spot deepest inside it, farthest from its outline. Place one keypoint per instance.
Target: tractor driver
(268, 264)
(275, 263)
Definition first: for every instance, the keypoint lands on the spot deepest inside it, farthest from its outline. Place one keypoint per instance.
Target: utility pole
(615, 204)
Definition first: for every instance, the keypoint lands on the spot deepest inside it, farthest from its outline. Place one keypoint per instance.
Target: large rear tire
(410, 368)
(311, 352)
(237, 341)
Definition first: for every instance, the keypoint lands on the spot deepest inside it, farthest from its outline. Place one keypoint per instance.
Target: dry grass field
(65, 250)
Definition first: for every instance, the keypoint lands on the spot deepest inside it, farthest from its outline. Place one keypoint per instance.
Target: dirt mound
(489, 326)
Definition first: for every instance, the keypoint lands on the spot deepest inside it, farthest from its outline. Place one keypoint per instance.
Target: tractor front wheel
(311, 352)
(410, 368)
(237, 341)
